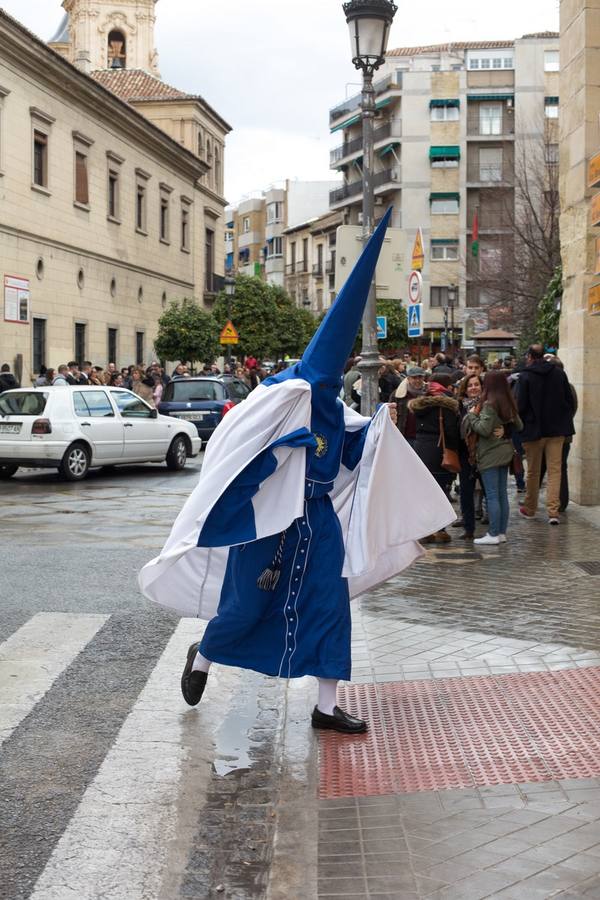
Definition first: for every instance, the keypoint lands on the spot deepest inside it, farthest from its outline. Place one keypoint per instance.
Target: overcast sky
(273, 68)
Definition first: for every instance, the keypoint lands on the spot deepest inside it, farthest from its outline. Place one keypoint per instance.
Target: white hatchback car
(75, 428)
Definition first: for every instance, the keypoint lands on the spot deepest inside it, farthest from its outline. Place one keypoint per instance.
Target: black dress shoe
(192, 683)
(466, 536)
(340, 721)
(458, 524)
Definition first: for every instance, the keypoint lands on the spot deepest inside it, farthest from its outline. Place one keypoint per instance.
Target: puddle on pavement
(232, 741)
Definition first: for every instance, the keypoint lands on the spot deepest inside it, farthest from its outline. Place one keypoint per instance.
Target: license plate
(10, 427)
(192, 417)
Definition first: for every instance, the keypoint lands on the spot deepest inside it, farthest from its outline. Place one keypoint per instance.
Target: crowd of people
(478, 426)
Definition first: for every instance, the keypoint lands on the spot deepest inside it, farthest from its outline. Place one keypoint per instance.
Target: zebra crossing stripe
(129, 821)
(34, 656)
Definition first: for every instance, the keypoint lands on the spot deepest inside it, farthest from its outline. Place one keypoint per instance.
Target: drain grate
(590, 566)
(465, 732)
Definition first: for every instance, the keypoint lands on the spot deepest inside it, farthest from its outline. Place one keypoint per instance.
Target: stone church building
(111, 189)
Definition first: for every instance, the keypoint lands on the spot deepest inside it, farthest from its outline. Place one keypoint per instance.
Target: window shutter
(81, 179)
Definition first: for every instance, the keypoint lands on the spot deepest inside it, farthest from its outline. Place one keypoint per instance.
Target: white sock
(200, 664)
(327, 695)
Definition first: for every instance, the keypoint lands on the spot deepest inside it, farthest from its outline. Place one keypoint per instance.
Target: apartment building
(310, 261)
(453, 122)
(106, 217)
(256, 229)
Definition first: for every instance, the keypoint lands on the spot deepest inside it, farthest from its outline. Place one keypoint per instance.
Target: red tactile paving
(465, 732)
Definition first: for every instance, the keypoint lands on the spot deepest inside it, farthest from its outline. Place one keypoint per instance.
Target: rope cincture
(269, 579)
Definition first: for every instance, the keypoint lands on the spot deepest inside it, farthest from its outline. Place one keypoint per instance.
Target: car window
(185, 391)
(93, 404)
(130, 406)
(23, 403)
(238, 390)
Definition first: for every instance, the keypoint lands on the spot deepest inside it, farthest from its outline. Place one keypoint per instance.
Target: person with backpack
(494, 453)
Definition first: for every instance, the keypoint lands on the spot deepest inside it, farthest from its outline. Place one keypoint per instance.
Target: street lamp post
(452, 295)
(369, 23)
(230, 294)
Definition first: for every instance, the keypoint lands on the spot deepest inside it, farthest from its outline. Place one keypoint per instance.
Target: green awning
(437, 241)
(490, 97)
(444, 153)
(451, 195)
(346, 124)
(436, 102)
(552, 101)
(388, 148)
(385, 102)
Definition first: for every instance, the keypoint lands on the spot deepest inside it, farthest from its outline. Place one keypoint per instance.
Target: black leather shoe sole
(192, 683)
(340, 721)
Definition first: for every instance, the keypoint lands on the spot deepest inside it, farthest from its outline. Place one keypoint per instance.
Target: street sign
(415, 320)
(418, 254)
(229, 334)
(381, 328)
(415, 287)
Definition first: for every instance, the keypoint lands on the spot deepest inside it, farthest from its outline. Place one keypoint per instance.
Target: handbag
(450, 460)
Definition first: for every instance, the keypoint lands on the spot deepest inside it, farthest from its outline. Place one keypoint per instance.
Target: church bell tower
(110, 34)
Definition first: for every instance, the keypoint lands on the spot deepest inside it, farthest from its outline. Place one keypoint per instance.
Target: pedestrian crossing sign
(381, 328)
(229, 334)
(415, 320)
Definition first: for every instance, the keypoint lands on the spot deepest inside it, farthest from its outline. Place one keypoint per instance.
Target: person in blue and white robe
(301, 505)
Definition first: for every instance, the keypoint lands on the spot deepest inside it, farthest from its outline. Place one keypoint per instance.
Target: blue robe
(303, 627)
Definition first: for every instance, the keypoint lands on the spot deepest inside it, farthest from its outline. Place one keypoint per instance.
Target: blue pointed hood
(332, 343)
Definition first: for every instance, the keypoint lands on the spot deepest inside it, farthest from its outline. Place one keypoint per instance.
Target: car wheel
(177, 455)
(7, 471)
(75, 463)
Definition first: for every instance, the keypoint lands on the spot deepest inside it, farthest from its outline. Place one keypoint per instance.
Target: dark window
(140, 208)
(139, 347)
(92, 403)
(209, 258)
(183, 390)
(439, 297)
(130, 406)
(39, 344)
(185, 228)
(82, 194)
(79, 342)
(40, 159)
(113, 194)
(238, 390)
(305, 254)
(113, 334)
(164, 218)
(27, 403)
(117, 50)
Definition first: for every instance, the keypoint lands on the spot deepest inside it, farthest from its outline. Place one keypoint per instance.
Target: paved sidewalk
(479, 670)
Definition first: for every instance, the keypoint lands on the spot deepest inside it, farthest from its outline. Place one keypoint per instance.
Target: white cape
(385, 505)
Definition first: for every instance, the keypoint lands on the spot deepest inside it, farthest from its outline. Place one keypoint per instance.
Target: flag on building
(475, 231)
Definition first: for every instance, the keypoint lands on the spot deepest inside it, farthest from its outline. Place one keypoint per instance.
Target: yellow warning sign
(229, 334)
(418, 254)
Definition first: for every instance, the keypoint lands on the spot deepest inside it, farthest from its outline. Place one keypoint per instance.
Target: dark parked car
(202, 400)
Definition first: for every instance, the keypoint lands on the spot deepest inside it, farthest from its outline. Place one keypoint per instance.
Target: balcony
(479, 175)
(389, 130)
(317, 270)
(214, 283)
(352, 104)
(330, 267)
(491, 220)
(290, 268)
(390, 177)
(354, 189)
(484, 128)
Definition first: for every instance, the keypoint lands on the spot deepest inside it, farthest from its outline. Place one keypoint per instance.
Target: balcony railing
(501, 174)
(290, 268)
(491, 219)
(214, 283)
(343, 193)
(388, 130)
(388, 176)
(394, 80)
(317, 270)
(330, 266)
(497, 126)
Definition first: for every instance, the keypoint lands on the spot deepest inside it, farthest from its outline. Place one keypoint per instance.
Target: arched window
(117, 50)
(217, 168)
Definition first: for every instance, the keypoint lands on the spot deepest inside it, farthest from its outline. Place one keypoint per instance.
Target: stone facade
(104, 214)
(579, 142)
(310, 262)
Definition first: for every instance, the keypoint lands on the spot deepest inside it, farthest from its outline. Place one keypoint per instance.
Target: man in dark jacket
(7, 379)
(546, 406)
